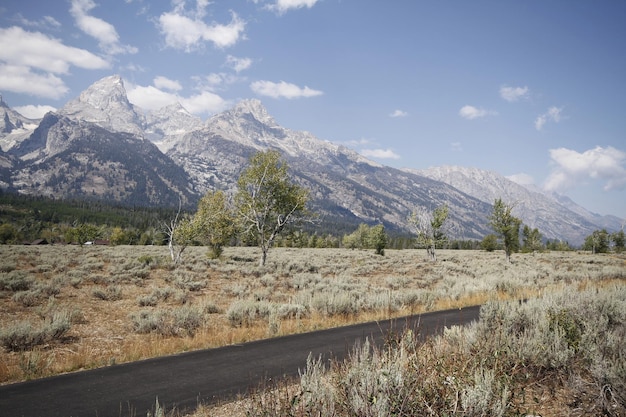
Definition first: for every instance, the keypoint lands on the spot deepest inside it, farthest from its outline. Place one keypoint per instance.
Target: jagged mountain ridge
(13, 126)
(72, 158)
(106, 104)
(342, 182)
(557, 217)
(70, 153)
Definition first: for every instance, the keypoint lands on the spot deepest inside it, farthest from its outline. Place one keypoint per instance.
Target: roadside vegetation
(561, 354)
(65, 308)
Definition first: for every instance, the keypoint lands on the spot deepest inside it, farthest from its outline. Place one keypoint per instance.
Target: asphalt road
(205, 376)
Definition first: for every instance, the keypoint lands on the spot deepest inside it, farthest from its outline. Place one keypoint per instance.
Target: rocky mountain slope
(101, 146)
(557, 217)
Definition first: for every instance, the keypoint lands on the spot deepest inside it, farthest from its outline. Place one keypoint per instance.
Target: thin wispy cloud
(46, 22)
(456, 146)
(512, 94)
(552, 115)
(104, 32)
(380, 153)
(165, 83)
(283, 89)
(521, 179)
(32, 62)
(283, 6)
(354, 143)
(398, 113)
(471, 112)
(572, 168)
(216, 81)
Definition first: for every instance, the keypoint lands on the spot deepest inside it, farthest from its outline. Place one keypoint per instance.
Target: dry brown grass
(102, 287)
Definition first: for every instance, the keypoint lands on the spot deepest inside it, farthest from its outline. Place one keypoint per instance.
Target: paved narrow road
(208, 375)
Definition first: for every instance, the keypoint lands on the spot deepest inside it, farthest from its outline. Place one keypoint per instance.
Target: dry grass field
(67, 308)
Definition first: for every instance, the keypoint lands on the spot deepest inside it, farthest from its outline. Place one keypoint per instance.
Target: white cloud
(553, 114)
(36, 50)
(165, 83)
(283, 6)
(30, 62)
(357, 142)
(512, 94)
(153, 98)
(20, 79)
(104, 32)
(150, 97)
(215, 81)
(238, 64)
(380, 153)
(188, 33)
(34, 111)
(471, 112)
(204, 103)
(521, 179)
(399, 113)
(282, 89)
(571, 168)
(456, 147)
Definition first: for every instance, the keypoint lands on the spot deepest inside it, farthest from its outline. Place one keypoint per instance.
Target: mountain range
(101, 146)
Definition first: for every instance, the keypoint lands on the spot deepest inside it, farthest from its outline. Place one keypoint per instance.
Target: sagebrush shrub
(16, 281)
(24, 335)
(178, 321)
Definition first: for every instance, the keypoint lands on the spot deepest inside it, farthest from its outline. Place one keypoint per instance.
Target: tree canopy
(430, 228)
(267, 201)
(506, 226)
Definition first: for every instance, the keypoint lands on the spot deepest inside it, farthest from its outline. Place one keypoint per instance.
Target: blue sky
(531, 89)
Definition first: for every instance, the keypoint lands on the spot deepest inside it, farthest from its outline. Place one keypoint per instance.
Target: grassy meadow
(67, 308)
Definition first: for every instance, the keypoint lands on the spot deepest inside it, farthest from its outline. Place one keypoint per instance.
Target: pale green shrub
(485, 397)
(244, 312)
(110, 293)
(23, 335)
(179, 321)
(16, 281)
(317, 394)
(188, 282)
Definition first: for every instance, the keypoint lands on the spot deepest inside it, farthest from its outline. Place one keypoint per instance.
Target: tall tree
(618, 241)
(429, 228)
(597, 242)
(531, 239)
(506, 226)
(214, 221)
(267, 201)
(378, 239)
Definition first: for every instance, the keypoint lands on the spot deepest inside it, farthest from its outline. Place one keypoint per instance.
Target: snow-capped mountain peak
(106, 104)
(170, 120)
(252, 108)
